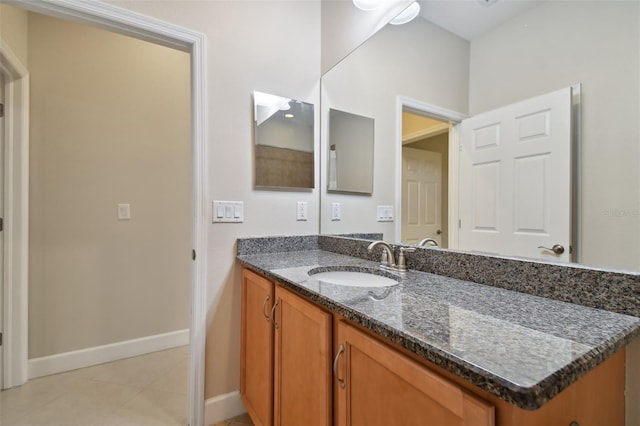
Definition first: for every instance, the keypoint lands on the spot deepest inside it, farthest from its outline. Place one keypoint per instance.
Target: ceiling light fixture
(367, 4)
(289, 115)
(406, 15)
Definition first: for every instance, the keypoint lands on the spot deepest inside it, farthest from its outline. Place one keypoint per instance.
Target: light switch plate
(124, 212)
(385, 213)
(227, 211)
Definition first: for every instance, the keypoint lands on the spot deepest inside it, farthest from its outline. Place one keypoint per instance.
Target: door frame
(123, 21)
(438, 113)
(16, 225)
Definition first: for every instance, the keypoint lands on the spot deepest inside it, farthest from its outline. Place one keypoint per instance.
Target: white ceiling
(470, 19)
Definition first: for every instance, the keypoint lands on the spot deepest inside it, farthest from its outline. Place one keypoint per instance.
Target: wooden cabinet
(288, 345)
(286, 356)
(380, 386)
(302, 362)
(256, 366)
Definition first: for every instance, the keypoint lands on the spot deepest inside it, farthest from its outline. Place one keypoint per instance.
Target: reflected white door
(421, 195)
(515, 178)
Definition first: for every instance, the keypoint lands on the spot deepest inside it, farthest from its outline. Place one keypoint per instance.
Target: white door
(515, 179)
(421, 195)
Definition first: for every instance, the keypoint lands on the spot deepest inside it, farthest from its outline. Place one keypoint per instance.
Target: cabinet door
(384, 387)
(256, 371)
(302, 362)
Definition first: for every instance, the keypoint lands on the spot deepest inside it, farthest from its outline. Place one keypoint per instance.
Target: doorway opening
(128, 23)
(427, 173)
(425, 180)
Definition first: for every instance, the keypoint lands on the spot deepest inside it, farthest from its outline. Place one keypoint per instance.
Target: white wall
(345, 27)
(269, 46)
(110, 123)
(368, 83)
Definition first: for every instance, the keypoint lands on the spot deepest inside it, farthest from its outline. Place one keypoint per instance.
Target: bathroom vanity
(431, 349)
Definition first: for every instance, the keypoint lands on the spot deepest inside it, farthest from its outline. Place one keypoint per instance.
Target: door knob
(557, 248)
(438, 232)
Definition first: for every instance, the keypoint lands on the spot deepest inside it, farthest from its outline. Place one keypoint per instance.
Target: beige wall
(110, 123)
(13, 30)
(268, 46)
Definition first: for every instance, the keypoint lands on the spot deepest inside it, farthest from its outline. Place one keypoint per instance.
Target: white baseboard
(100, 354)
(223, 407)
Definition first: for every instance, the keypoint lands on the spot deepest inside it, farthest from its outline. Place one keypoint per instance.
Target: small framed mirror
(283, 134)
(350, 164)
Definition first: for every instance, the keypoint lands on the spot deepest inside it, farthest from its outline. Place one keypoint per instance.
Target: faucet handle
(384, 259)
(402, 258)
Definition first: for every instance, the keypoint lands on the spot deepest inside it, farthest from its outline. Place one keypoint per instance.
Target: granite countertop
(523, 348)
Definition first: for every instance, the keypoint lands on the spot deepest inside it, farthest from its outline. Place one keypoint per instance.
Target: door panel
(302, 362)
(384, 387)
(256, 388)
(422, 195)
(515, 178)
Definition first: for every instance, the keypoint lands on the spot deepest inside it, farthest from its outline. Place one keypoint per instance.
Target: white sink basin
(354, 279)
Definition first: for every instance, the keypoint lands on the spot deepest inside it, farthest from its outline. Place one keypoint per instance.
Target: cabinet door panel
(256, 373)
(303, 362)
(384, 387)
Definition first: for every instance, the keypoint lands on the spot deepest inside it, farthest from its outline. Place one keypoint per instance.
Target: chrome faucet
(428, 240)
(388, 258)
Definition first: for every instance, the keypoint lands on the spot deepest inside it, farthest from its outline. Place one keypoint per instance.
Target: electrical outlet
(301, 210)
(335, 211)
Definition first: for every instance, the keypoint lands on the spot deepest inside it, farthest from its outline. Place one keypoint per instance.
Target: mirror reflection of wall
(369, 81)
(283, 150)
(544, 48)
(350, 166)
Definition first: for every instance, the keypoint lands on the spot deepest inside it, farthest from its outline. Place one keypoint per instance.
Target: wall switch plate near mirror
(283, 149)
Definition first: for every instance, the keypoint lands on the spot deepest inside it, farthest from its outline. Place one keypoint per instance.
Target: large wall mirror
(283, 134)
(463, 59)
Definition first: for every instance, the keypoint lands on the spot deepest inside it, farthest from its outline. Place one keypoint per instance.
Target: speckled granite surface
(523, 348)
(277, 244)
(597, 288)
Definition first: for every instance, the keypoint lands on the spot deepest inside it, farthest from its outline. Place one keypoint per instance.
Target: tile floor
(242, 420)
(145, 390)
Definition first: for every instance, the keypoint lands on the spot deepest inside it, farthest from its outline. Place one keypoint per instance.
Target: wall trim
(88, 357)
(102, 15)
(223, 407)
(16, 227)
